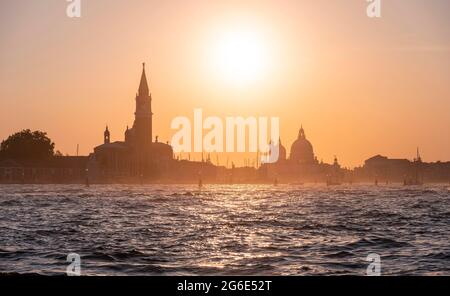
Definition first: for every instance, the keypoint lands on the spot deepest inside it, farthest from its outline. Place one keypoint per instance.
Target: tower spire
(142, 127)
(301, 133)
(418, 155)
(106, 136)
(143, 85)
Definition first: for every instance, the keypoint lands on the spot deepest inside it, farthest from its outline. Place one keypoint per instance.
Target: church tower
(106, 136)
(143, 126)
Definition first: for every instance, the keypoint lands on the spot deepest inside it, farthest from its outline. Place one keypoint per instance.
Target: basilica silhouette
(301, 165)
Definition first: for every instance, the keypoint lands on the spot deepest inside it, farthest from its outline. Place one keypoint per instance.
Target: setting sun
(241, 56)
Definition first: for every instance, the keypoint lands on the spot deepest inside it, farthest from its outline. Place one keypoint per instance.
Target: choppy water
(225, 230)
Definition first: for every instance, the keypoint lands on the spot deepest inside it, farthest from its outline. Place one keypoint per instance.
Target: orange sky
(359, 86)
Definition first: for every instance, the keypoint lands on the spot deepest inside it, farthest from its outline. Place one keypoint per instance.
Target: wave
(340, 254)
(377, 242)
(115, 256)
(179, 230)
(439, 256)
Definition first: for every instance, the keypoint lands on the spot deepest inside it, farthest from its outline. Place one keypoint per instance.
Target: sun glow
(241, 56)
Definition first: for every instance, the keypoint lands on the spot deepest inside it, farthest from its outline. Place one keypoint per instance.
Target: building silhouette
(302, 151)
(301, 166)
(138, 157)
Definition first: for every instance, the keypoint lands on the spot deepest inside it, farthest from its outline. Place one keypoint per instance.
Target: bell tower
(143, 126)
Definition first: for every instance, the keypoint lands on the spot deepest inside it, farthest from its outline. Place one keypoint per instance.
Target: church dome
(162, 151)
(302, 151)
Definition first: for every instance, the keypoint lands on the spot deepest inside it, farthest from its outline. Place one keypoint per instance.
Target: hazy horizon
(359, 86)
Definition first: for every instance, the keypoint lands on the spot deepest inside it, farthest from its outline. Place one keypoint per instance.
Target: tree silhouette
(27, 145)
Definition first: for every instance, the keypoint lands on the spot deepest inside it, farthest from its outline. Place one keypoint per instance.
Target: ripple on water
(224, 229)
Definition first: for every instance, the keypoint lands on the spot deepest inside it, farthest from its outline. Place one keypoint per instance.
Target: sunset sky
(359, 86)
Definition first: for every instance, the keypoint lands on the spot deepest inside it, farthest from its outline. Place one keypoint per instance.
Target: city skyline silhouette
(361, 87)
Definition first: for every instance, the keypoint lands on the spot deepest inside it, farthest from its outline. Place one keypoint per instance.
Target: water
(225, 230)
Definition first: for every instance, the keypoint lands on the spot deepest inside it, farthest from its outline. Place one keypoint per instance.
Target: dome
(302, 151)
(162, 151)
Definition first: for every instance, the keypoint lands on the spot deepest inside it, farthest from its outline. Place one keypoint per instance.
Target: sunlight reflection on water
(224, 229)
